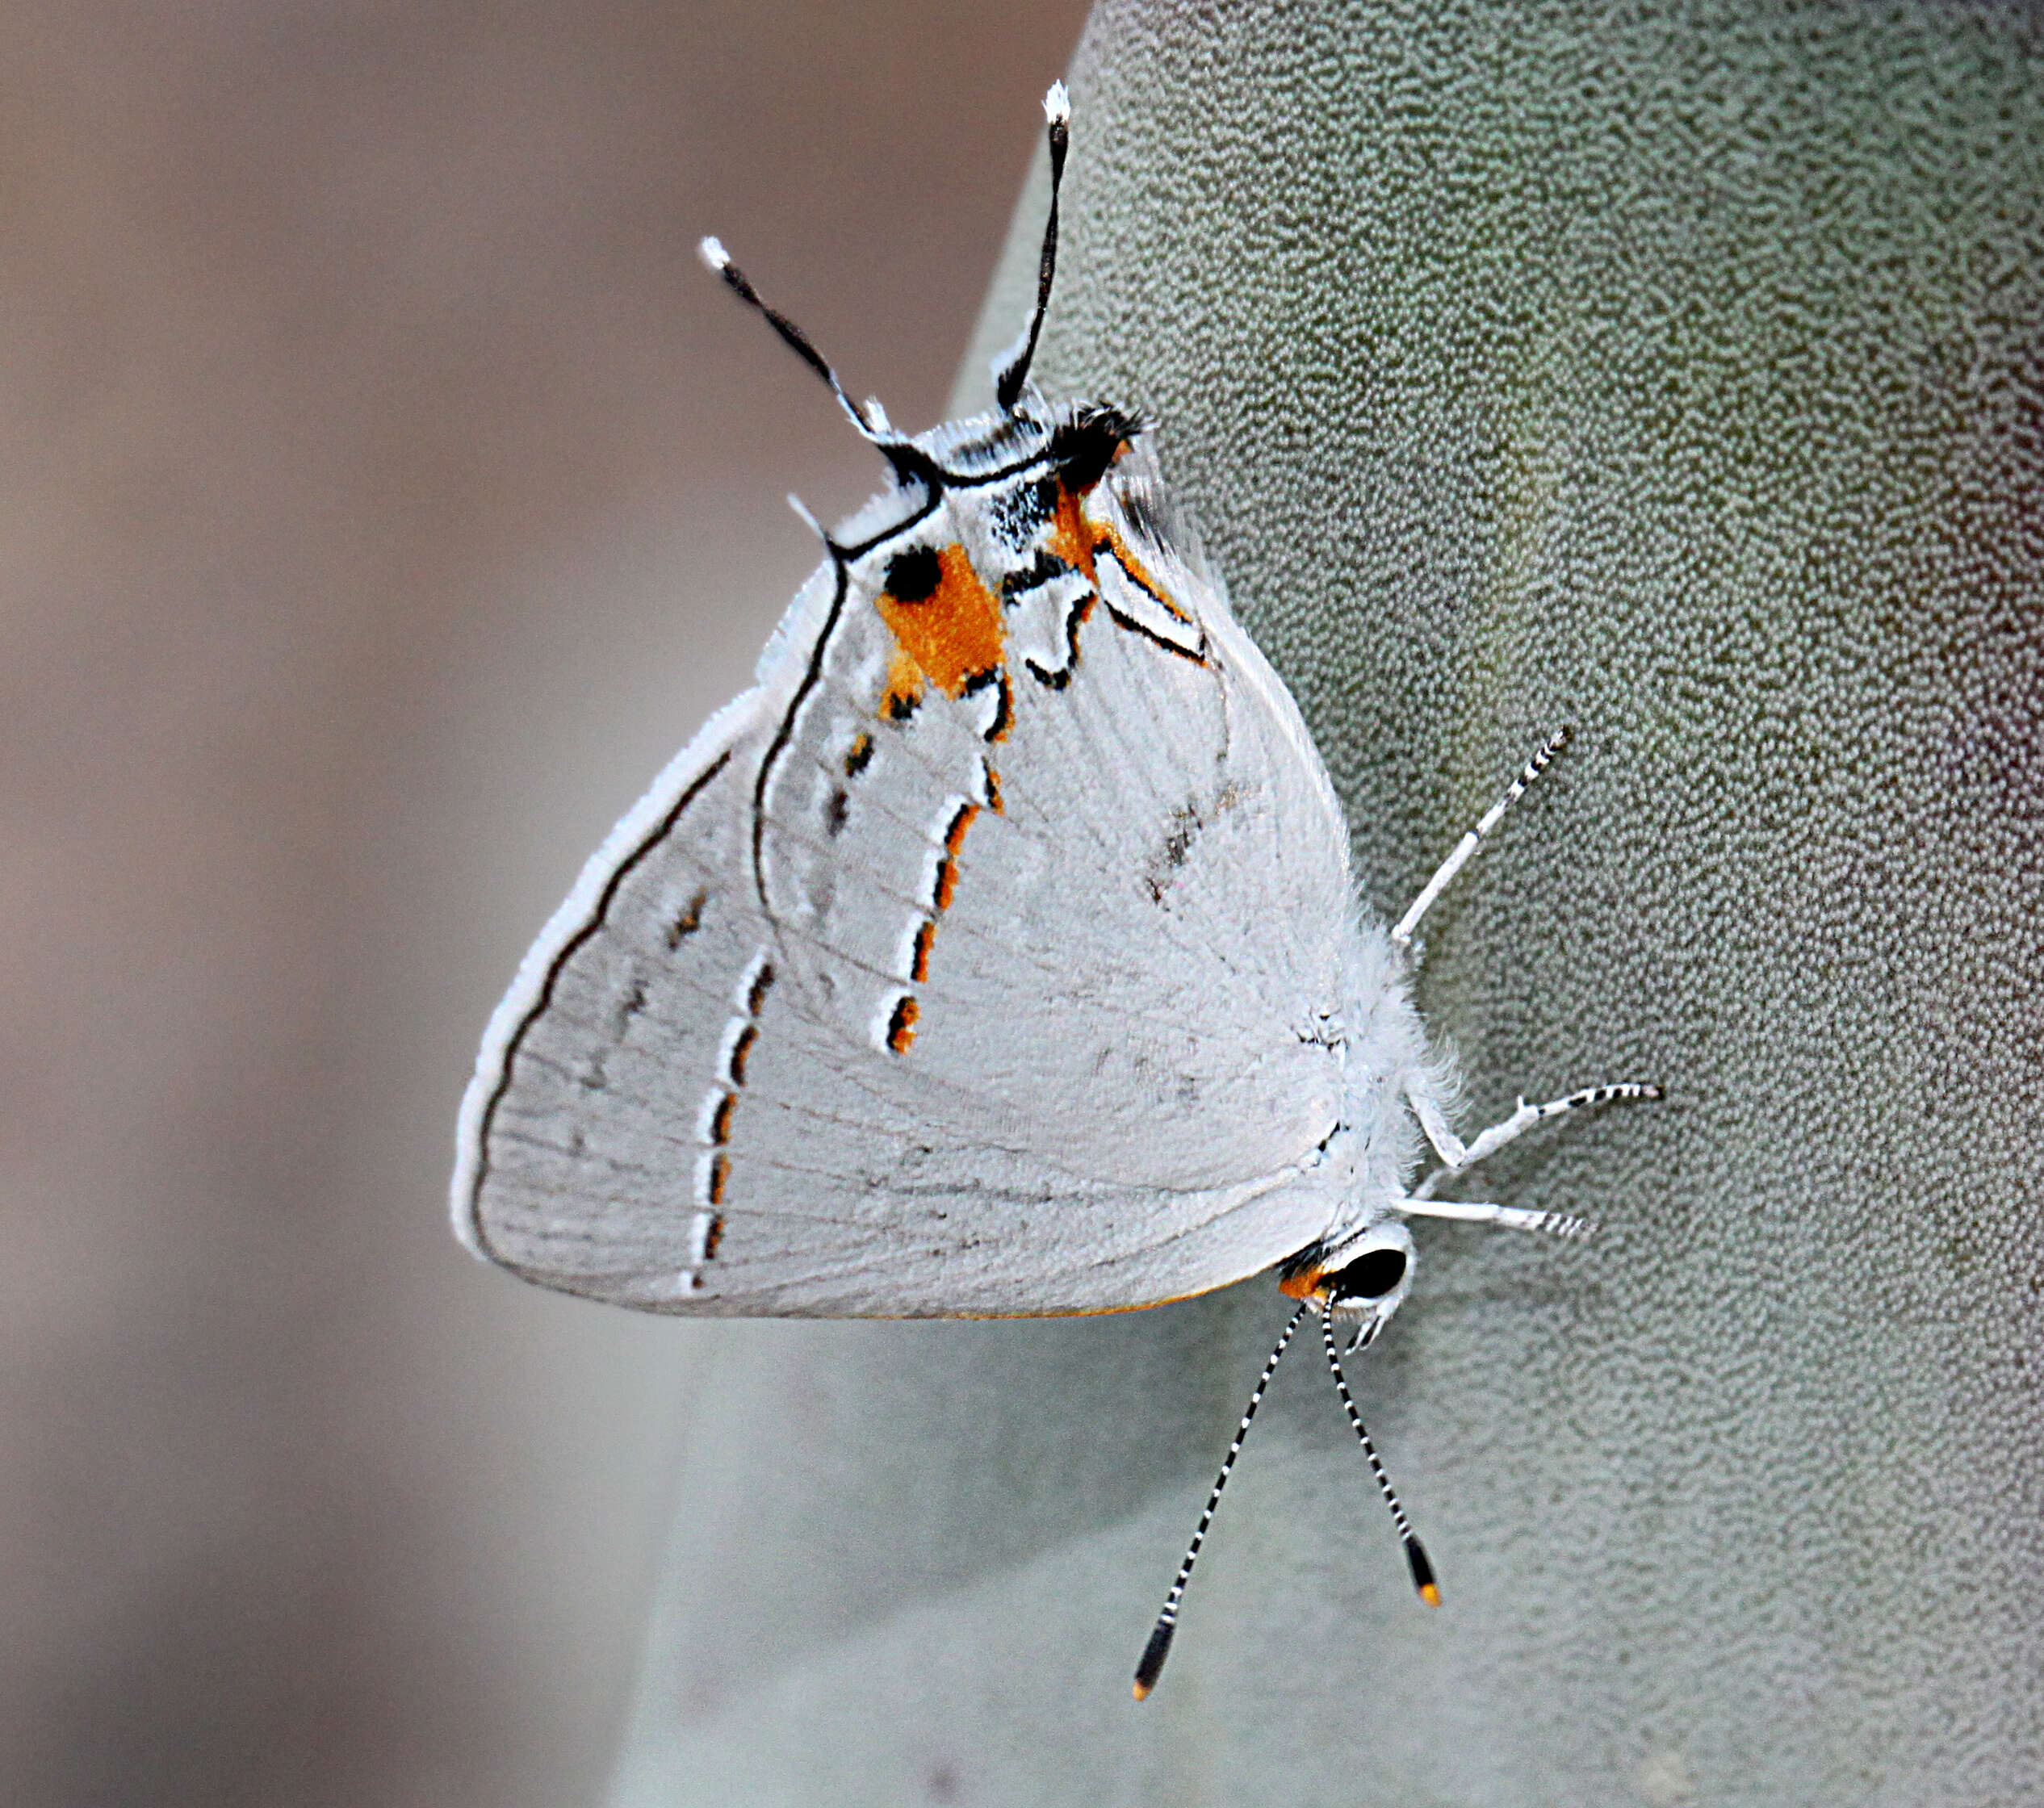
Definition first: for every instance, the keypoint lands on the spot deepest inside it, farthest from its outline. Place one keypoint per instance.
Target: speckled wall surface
(1674, 371)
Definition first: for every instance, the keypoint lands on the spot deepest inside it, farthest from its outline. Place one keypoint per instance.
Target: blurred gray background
(388, 492)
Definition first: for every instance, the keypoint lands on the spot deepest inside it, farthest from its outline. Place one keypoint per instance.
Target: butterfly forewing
(939, 975)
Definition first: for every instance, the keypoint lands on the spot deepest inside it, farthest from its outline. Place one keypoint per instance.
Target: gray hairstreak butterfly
(996, 954)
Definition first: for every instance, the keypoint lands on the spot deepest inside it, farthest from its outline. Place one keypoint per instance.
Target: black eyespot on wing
(913, 576)
(1371, 1276)
(1084, 444)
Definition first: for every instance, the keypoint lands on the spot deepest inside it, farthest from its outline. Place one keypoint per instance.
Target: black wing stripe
(568, 951)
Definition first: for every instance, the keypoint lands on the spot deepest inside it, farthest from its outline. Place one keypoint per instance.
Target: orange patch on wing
(1071, 536)
(1079, 543)
(952, 634)
(901, 1027)
(904, 688)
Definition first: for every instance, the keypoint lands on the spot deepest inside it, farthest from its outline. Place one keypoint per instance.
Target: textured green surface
(1674, 372)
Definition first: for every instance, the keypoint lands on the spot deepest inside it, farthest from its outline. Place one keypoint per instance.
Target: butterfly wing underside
(971, 962)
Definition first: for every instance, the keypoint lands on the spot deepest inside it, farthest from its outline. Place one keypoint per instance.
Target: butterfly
(997, 953)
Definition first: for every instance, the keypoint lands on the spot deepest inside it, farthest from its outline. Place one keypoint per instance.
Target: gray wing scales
(915, 989)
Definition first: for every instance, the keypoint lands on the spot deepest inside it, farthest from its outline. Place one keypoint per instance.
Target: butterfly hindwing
(938, 975)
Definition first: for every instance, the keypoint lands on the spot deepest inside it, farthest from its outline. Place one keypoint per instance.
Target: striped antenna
(1415, 1551)
(1151, 1664)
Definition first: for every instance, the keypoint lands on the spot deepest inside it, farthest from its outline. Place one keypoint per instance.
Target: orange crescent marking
(1070, 538)
(1139, 574)
(901, 1027)
(951, 635)
(742, 1052)
(955, 836)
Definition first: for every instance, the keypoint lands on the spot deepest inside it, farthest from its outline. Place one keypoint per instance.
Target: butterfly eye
(1371, 1276)
(913, 576)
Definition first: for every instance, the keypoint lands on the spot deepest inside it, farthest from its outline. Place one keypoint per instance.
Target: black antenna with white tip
(908, 460)
(1013, 371)
(717, 260)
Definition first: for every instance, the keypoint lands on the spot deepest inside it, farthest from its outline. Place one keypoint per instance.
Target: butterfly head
(1090, 438)
(1362, 1280)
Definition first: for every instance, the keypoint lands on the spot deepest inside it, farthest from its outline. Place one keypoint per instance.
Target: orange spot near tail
(904, 689)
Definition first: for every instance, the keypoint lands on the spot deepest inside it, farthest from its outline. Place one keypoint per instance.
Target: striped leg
(1457, 1155)
(1422, 1204)
(1467, 845)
